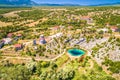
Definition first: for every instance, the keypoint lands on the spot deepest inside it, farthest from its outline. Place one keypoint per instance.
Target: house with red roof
(9, 35)
(70, 27)
(18, 47)
(55, 28)
(19, 35)
(85, 18)
(88, 19)
(114, 28)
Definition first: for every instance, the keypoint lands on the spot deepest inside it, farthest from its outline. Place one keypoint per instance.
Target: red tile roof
(19, 34)
(85, 17)
(114, 27)
(18, 45)
(70, 27)
(10, 35)
(56, 27)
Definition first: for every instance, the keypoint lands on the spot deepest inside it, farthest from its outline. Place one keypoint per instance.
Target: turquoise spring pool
(76, 52)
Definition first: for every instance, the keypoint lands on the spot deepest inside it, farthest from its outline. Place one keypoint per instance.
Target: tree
(17, 72)
(31, 66)
(54, 66)
(38, 68)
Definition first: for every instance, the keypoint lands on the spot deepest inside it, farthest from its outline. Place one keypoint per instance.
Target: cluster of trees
(107, 17)
(118, 42)
(53, 74)
(84, 11)
(61, 75)
(12, 19)
(43, 70)
(96, 49)
(52, 22)
(9, 19)
(113, 66)
(10, 29)
(105, 8)
(34, 14)
(6, 10)
(114, 40)
(9, 71)
(94, 76)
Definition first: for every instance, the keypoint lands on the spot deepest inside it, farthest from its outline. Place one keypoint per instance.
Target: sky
(81, 2)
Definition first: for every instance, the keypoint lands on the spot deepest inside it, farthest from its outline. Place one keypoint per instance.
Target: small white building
(104, 30)
(42, 39)
(7, 40)
(56, 35)
(62, 27)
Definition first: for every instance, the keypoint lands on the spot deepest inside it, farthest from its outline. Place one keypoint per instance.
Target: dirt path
(26, 43)
(105, 69)
(30, 58)
(13, 13)
(4, 24)
(36, 22)
(91, 64)
(6, 48)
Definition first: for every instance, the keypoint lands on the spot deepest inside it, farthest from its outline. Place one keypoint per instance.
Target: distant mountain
(106, 4)
(32, 3)
(47, 4)
(17, 2)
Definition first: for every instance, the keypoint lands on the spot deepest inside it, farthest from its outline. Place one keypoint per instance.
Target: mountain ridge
(17, 2)
(32, 3)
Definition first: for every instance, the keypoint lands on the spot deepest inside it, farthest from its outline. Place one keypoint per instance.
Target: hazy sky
(82, 2)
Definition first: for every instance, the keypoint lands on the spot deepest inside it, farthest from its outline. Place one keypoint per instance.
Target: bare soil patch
(13, 13)
(4, 24)
(36, 22)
